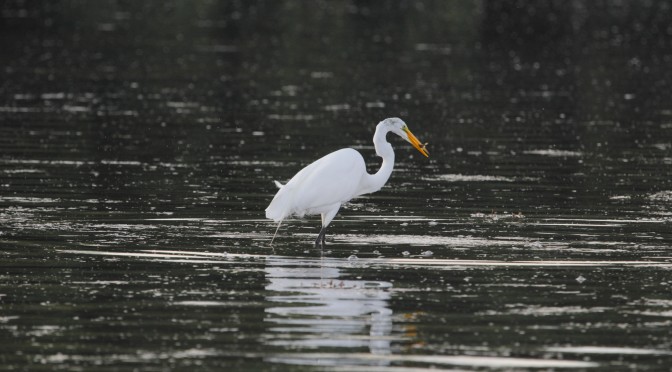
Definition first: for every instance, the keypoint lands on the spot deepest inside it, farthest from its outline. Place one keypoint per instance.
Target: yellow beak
(416, 143)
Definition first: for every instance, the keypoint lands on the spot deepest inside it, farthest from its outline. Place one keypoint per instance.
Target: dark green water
(139, 142)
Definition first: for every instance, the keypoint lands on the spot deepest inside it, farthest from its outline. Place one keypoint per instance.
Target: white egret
(324, 185)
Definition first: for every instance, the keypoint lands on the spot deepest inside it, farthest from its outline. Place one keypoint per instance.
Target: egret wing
(332, 179)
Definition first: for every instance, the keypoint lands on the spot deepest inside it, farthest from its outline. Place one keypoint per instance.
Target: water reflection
(316, 307)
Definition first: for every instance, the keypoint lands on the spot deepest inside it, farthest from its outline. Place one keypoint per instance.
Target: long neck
(376, 181)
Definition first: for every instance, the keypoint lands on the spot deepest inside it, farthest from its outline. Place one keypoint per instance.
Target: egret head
(400, 128)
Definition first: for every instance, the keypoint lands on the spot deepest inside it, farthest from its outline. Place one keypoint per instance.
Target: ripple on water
(141, 356)
(468, 178)
(201, 303)
(336, 359)
(322, 263)
(662, 196)
(428, 240)
(554, 153)
(28, 200)
(552, 310)
(606, 350)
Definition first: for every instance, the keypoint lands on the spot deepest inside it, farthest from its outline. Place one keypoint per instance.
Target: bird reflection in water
(317, 309)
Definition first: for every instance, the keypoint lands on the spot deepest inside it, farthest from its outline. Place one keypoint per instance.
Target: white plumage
(324, 185)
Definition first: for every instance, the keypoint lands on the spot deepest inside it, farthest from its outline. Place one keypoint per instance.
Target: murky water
(139, 142)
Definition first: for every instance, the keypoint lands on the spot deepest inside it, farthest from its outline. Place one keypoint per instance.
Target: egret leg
(276, 232)
(326, 220)
(320, 237)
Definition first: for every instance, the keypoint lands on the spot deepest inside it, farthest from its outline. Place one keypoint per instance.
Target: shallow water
(136, 159)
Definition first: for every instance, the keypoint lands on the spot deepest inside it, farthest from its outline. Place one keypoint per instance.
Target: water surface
(139, 143)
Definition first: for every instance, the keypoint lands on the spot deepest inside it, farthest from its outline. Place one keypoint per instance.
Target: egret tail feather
(281, 205)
